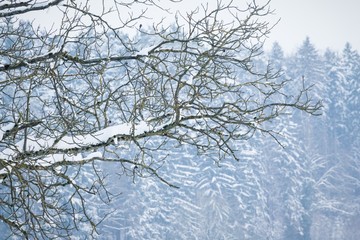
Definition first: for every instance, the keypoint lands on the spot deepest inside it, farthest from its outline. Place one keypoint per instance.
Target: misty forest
(118, 129)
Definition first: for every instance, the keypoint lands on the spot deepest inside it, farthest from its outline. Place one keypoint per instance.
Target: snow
(6, 128)
(249, 152)
(69, 142)
(190, 80)
(241, 185)
(54, 158)
(5, 170)
(94, 155)
(145, 51)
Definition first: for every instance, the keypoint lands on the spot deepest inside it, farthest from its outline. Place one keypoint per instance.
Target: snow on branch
(16, 8)
(70, 144)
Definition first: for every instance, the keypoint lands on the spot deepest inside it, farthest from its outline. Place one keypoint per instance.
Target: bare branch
(87, 94)
(19, 7)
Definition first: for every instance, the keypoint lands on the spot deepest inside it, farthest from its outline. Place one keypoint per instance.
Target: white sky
(328, 23)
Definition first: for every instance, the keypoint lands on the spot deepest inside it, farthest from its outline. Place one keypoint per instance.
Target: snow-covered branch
(89, 94)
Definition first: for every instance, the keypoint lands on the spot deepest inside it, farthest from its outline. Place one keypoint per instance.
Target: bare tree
(87, 92)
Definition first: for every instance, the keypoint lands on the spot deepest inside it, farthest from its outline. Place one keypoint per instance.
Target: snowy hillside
(307, 189)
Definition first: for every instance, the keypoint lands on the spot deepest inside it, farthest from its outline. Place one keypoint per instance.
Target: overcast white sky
(328, 23)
